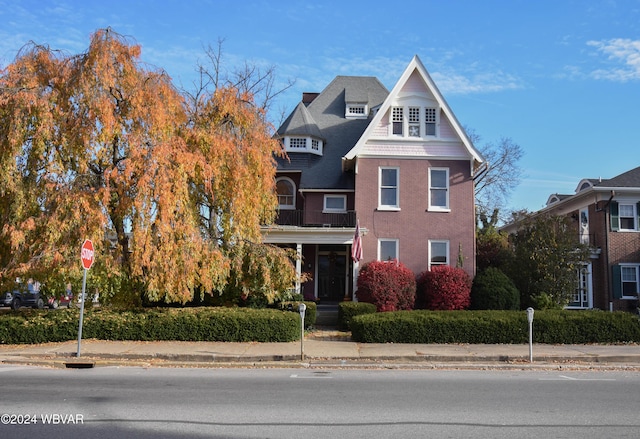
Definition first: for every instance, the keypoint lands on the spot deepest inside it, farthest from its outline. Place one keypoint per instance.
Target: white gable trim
(414, 65)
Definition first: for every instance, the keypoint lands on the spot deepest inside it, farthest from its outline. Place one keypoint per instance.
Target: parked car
(18, 298)
(62, 301)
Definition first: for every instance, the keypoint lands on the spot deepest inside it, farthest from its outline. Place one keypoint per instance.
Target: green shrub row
(348, 310)
(492, 327)
(310, 314)
(185, 324)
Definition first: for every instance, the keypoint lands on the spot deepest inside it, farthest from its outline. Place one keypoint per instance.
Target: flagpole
(356, 256)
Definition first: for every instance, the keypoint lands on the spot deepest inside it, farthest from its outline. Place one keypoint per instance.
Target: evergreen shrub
(348, 310)
(492, 289)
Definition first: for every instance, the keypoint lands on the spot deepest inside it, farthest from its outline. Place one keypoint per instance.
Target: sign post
(530, 320)
(87, 257)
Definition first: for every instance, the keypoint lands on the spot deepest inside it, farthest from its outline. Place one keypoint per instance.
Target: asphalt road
(310, 403)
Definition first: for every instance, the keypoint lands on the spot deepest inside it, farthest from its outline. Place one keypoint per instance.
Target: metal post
(301, 309)
(530, 320)
(83, 298)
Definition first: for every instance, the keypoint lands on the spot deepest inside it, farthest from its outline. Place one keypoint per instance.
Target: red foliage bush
(444, 288)
(390, 285)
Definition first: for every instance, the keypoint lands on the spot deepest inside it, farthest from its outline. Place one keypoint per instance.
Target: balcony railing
(316, 218)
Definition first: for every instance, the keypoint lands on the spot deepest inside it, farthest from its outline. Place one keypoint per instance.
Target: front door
(582, 296)
(332, 275)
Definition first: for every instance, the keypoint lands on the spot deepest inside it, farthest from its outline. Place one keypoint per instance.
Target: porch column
(298, 266)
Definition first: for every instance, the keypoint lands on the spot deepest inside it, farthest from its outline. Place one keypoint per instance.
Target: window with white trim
(298, 142)
(430, 121)
(438, 253)
(356, 111)
(629, 281)
(387, 249)
(397, 120)
(414, 121)
(303, 144)
(335, 203)
(286, 190)
(439, 189)
(389, 197)
(627, 214)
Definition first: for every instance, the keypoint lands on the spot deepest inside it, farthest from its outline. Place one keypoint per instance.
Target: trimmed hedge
(310, 314)
(348, 310)
(184, 324)
(494, 327)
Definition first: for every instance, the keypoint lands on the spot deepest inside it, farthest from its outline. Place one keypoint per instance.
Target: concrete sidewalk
(333, 350)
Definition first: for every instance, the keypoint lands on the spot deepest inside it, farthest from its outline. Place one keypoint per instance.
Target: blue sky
(560, 78)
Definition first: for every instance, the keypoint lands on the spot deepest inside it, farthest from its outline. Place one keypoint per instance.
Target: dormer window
(430, 121)
(298, 143)
(397, 121)
(356, 111)
(414, 121)
(303, 144)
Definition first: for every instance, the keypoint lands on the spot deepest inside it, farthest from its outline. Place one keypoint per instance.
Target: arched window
(286, 190)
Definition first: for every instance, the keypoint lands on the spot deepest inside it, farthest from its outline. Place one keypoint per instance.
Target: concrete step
(327, 315)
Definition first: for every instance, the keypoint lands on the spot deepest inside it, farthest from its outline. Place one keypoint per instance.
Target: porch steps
(328, 335)
(327, 316)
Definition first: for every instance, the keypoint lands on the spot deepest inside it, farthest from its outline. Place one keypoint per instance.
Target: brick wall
(413, 225)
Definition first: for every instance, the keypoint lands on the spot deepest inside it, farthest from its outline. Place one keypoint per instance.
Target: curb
(432, 362)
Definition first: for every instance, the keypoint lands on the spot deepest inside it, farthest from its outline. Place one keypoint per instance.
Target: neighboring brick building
(606, 214)
(398, 163)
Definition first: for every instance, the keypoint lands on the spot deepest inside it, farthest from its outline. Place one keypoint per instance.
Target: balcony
(316, 218)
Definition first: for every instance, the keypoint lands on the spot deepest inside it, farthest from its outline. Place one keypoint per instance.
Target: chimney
(307, 97)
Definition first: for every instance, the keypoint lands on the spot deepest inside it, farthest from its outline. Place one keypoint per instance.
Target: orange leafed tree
(98, 145)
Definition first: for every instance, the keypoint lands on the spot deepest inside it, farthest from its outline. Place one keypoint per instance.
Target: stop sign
(86, 254)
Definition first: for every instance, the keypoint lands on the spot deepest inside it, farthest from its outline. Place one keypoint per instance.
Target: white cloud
(488, 82)
(624, 53)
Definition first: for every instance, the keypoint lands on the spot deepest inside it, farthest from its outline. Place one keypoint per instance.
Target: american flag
(356, 247)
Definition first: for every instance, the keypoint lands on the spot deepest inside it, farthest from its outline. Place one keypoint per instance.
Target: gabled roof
(416, 65)
(629, 179)
(326, 113)
(602, 189)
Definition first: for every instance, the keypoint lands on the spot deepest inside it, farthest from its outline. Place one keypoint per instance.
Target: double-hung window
(626, 281)
(624, 216)
(389, 195)
(627, 217)
(439, 189)
(438, 253)
(387, 249)
(430, 121)
(397, 120)
(629, 274)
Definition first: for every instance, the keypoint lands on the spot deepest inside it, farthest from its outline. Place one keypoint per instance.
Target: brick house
(606, 216)
(397, 163)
